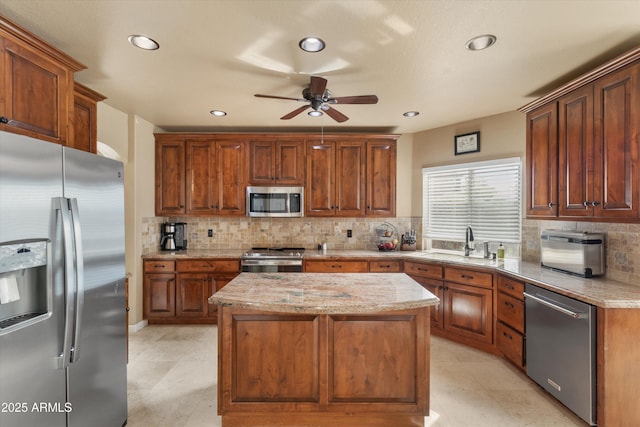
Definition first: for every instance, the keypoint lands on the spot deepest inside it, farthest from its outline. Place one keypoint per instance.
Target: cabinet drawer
(511, 311)
(510, 286)
(385, 266)
(421, 269)
(511, 344)
(468, 277)
(327, 266)
(209, 265)
(159, 266)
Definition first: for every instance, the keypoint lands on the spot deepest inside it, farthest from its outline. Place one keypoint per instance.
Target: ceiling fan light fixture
(315, 113)
(311, 44)
(218, 113)
(143, 42)
(410, 113)
(481, 42)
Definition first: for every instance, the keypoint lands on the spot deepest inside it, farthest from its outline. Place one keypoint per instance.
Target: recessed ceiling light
(410, 113)
(481, 42)
(311, 44)
(143, 42)
(218, 113)
(315, 113)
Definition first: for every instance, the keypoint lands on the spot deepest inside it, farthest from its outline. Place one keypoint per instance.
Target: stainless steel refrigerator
(62, 287)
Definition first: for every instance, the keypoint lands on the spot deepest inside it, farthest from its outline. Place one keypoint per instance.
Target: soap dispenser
(500, 251)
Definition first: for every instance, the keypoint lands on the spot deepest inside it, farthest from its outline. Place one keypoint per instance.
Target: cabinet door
(261, 162)
(230, 185)
(436, 287)
(468, 312)
(381, 178)
(319, 197)
(159, 295)
(170, 177)
(289, 165)
(542, 162)
(192, 294)
(37, 93)
(575, 153)
(216, 283)
(201, 177)
(349, 179)
(617, 141)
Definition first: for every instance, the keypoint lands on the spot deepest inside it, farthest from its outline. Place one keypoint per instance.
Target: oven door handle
(553, 306)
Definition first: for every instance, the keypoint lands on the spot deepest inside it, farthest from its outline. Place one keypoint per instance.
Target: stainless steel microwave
(275, 201)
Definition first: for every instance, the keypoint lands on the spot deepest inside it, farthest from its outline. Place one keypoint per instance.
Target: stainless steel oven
(272, 260)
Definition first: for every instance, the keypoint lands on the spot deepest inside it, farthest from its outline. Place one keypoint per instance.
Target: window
(483, 195)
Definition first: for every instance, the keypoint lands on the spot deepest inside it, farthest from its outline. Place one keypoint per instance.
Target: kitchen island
(323, 350)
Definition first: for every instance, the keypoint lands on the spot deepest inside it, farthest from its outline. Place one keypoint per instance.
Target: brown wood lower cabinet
(510, 330)
(181, 294)
(336, 266)
(279, 369)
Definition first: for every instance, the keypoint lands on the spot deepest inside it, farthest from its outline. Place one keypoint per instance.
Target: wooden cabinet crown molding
(8, 28)
(606, 68)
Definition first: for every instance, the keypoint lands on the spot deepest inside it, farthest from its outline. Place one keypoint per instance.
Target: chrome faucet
(468, 239)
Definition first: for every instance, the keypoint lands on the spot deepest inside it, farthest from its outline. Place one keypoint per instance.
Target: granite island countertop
(321, 293)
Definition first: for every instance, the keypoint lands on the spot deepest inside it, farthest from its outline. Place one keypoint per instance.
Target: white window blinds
(483, 195)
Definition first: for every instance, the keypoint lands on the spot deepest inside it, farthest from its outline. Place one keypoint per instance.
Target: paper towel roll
(9, 289)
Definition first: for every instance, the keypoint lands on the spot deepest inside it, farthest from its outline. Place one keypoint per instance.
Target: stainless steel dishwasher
(561, 348)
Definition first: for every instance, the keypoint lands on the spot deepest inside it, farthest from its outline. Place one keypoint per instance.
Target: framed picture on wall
(467, 143)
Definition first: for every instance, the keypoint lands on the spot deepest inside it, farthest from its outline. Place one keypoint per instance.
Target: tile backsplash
(622, 242)
(244, 233)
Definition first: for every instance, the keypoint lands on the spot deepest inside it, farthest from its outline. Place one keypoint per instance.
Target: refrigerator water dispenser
(24, 283)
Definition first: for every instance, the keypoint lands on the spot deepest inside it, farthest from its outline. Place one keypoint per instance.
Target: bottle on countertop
(324, 248)
(500, 251)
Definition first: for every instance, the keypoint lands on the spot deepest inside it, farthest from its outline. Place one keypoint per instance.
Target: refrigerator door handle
(61, 204)
(79, 272)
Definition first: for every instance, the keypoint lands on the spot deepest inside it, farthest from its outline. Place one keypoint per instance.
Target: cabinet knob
(4, 120)
(551, 204)
(586, 203)
(595, 203)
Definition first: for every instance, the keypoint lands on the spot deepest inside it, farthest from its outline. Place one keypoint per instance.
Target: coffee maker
(173, 236)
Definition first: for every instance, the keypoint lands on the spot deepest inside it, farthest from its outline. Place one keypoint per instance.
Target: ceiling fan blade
(362, 99)
(294, 112)
(335, 114)
(317, 86)
(279, 97)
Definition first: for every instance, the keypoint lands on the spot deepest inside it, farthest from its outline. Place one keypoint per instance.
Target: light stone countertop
(322, 293)
(599, 291)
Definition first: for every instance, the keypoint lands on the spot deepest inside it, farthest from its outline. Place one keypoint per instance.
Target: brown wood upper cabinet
(276, 162)
(85, 118)
(583, 155)
(200, 175)
(351, 176)
(29, 65)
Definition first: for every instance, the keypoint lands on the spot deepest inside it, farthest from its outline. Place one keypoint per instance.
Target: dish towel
(9, 289)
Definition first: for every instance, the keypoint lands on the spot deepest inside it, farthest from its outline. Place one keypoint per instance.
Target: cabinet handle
(158, 266)
(4, 120)
(422, 269)
(551, 204)
(464, 276)
(385, 266)
(508, 286)
(508, 304)
(507, 335)
(336, 266)
(181, 206)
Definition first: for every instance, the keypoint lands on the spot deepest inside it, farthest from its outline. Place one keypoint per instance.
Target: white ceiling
(216, 54)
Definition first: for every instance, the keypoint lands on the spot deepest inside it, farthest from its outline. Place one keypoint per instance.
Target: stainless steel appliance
(275, 201)
(273, 260)
(577, 252)
(173, 236)
(62, 287)
(561, 348)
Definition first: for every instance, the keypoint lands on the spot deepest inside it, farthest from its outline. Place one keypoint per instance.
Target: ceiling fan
(318, 98)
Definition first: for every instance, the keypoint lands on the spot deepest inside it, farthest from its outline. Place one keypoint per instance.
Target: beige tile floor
(172, 378)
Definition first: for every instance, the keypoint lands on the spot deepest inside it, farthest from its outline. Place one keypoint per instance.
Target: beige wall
(403, 175)
(501, 136)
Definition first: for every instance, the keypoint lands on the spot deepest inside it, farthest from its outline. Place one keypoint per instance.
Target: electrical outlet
(349, 233)
(210, 232)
